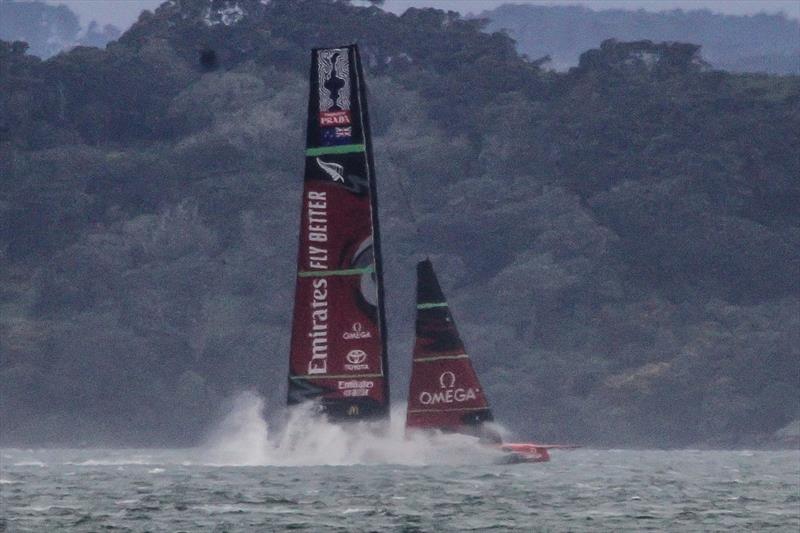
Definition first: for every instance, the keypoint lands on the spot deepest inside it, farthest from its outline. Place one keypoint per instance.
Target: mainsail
(338, 350)
(445, 392)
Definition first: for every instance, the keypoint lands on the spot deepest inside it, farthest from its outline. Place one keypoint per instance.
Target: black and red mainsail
(445, 392)
(338, 351)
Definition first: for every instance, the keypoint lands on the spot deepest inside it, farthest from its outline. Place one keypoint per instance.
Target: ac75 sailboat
(445, 393)
(338, 348)
(338, 352)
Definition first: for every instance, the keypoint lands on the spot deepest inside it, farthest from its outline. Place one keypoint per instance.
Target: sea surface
(579, 490)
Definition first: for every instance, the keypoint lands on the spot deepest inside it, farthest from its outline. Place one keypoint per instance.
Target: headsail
(445, 392)
(338, 350)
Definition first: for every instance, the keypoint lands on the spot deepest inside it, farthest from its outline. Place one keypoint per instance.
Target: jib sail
(445, 392)
(338, 349)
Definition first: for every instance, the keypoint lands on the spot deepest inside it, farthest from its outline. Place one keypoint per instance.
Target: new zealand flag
(336, 135)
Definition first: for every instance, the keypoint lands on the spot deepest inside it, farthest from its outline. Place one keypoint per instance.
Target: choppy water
(317, 477)
(581, 490)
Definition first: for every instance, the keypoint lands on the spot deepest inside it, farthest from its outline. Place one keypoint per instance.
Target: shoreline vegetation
(620, 242)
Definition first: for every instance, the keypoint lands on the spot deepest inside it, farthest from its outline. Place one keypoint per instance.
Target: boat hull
(524, 453)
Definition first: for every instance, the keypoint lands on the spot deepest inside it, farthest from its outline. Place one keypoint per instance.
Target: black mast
(376, 239)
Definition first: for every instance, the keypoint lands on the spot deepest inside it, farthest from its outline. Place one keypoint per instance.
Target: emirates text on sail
(318, 259)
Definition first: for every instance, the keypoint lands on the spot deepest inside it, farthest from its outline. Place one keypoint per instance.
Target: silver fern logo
(334, 170)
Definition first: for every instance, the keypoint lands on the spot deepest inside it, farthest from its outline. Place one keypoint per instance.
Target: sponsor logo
(355, 388)
(352, 410)
(334, 80)
(447, 380)
(317, 236)
(319, 328)
(333, 73)
(334, 170)
(363, 257)
(356, 332)
(355, 360)
(334, 118)
(449, 393)
(356, 356)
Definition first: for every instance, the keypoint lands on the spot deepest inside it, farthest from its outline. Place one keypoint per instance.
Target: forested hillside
(752, 43)
(49, 29)
(620, 244)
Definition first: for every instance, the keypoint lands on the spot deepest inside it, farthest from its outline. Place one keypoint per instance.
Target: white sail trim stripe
(440, 358)
(336, 376)
(432, 305)
(486, 408)
(449, 410)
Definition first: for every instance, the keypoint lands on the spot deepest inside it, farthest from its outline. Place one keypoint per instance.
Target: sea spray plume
(308, 439)
(241, 438)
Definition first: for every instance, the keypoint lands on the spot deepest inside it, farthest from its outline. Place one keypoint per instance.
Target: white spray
(244, 438)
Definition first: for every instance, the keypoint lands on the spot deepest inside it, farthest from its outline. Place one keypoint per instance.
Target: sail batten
(431, 305)
(338, 347)
(341, 376)
(346, 272)
(440, 358)
(447, 410)
(341, 149)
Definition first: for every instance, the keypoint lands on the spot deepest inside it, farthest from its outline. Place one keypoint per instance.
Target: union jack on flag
(334, 136)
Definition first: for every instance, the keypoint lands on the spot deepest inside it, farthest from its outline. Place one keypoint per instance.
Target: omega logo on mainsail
(356, 332)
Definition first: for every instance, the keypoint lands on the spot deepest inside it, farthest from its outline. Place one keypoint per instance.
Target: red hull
(526, 452)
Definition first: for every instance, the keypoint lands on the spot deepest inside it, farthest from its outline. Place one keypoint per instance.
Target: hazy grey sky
(730, 7)
(123, 13)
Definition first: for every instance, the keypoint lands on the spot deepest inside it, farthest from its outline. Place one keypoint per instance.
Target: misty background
(619, 240)
(739, 36)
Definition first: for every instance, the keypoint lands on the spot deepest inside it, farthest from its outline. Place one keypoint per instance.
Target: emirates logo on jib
(357, 331)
